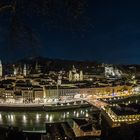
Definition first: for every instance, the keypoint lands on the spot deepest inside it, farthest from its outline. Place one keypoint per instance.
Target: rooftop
(130, 109)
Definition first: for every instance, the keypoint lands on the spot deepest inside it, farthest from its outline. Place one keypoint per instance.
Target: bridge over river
(96, 103)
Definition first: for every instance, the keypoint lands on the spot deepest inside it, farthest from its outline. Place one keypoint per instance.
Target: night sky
(104, 30)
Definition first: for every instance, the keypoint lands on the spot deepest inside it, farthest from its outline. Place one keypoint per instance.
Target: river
(35, 120)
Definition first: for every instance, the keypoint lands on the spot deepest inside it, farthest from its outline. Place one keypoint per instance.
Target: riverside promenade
(53, 106)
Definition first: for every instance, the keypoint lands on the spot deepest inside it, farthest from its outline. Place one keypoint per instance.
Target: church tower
(81, 76)
(15, 70)
(0, 68)
(25, 70)
(70, 76)
(73, 69)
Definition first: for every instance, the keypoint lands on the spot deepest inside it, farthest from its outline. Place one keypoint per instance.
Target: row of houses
(21, 93)
(32, 93)
(87, 91)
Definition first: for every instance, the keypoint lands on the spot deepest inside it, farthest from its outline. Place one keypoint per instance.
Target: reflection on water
(36, 120)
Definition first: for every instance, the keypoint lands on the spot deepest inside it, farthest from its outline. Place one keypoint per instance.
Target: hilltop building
(112, 72)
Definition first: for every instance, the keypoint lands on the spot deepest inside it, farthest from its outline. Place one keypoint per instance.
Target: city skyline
(69, 69)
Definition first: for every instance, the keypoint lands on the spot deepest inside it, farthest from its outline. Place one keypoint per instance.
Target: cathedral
(75, 76)
(19, 70)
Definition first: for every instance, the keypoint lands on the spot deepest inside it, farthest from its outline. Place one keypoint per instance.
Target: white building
(136, 89)
(59, 80)
(25, 70)
(112, 72)
(75, 76)
(15, 71)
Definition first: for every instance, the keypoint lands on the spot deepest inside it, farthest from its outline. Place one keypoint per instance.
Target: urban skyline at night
(69, 70)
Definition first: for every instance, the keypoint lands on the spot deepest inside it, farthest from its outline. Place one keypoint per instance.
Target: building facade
(101, 91)
(112, 72)
(75, 76)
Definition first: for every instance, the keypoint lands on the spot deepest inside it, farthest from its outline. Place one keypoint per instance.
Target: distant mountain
(58, 64)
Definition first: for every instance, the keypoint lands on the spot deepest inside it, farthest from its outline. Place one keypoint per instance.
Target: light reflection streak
(37, 116)
(12, 117)
(1, 120)
(30, 119)
(87, 114)
(47, 116)
(51, 118)
(77, 115)
(24, 119)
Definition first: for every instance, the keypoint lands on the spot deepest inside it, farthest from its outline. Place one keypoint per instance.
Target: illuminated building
(101, 92)
(59, 81)
(75, 76)
(25, 70)
(136, 89)
(15, 71)
(112, 72)
(81, 76)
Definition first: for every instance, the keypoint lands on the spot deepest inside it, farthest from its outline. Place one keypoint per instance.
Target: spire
(25, 66)
(24, 70)
(73, 69)
(81, 75)
(70, 75)
(15, 70)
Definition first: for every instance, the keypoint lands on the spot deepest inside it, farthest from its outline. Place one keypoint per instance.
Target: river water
(35, 121)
